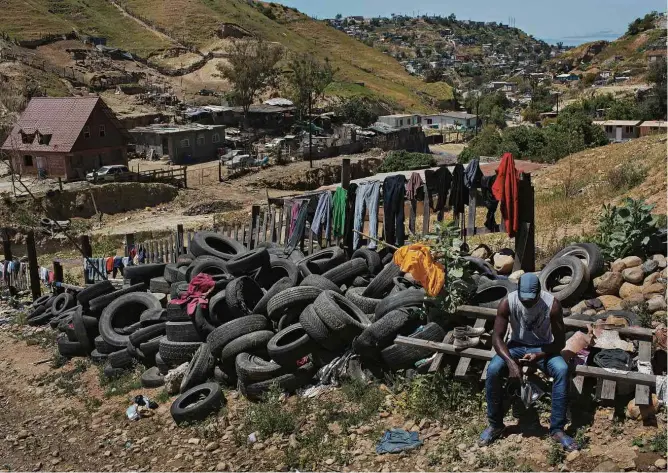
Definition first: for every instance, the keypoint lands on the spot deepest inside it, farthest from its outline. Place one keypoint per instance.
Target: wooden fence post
(87, 253)
(6, 245)
(179, 239)
(255, 213)
(58, 275)
(33, 267)
(525, 240)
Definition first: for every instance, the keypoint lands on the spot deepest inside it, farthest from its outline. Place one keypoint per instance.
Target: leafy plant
(624, 231)
(404, 161)
(555, 455)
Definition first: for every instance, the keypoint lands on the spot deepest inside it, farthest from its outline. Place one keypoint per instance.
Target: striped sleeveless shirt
(531, 326)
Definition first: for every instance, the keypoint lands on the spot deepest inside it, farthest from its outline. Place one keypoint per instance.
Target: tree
(653, 105)
(308, 80)
(560, 44)
(358, 111)
(338, 16)
(251, 69)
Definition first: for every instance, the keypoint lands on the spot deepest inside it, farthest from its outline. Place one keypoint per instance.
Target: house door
(618, 133)
(40, 162)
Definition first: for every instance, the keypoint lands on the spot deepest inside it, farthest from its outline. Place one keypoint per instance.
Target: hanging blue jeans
(553, 365)
(367, 197)
(322, 215)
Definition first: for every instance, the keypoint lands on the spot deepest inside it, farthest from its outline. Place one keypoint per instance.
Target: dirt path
(157, 33)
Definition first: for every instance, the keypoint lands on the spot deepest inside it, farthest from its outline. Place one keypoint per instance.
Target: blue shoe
(566, 441)
(489, 435)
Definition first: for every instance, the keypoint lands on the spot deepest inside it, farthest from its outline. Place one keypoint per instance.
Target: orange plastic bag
(417, 260)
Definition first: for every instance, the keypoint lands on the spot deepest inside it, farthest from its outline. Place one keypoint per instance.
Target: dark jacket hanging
(459, 192)
(489, 202)
(438, 185)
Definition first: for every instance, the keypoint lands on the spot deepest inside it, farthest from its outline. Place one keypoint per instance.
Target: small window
(27, 160)
(429, 121)
(185, 143)
(86, 132)
(201, 140)
(608, 129)
(102, 131)
(215, 138)
(27, 137)
(401, 122)
(629, 129)
(43, 139)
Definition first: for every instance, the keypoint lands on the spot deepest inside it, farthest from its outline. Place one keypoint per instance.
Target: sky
(571, 21)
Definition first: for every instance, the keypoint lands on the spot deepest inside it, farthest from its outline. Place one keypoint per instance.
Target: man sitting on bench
(537, 337)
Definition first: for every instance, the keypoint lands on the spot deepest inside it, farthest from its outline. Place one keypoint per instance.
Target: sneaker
(489, 435)
(462, 342)
(469, 331)
(566, 441)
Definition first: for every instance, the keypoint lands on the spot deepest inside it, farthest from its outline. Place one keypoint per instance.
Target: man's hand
(532, 357)
(513, 370)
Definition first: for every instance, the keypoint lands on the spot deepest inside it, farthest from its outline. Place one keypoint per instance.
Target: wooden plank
(463, 365)
(272, 225)
(253, 226)
(483, 376)
(578, 382)
(310, 241)
(288, 213)
(279, 232)
(605, 389)
(236, 232)
(631, 377)
(263, 233)
(644, 355)
(637, 333)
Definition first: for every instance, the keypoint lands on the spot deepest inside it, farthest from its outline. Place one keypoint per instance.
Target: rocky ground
(66, 419)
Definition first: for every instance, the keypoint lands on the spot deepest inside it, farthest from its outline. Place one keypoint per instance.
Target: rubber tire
(318, 331)
(98, 358)
(293, 299)
(171, 273)
(366, 304)
(490, 294)
(215, 244)
(573, 291)
(152, 378)
(153, 316)
(398, 357)
(255, 342)
(110, 372)
(288, 382)
(382, 333)
(80, 330)
(280, 285)
(159, 285)
(383, 282)
(590, 253)
(44, 300)
(340, 315)
(199, 368)
(253, 369)
(100, 303)
(62, 303)
(147, 333)
(91, 292)
(188, 407)
(151, 347)
(324, 260)
(175, 353)
(289, 345)
(160, 364)
(407, 298)
(278, 269)
(103, 347)
(321, 282)
(223, 335)
(211, 265)
(242, 295)
(482, 266)
(630, 316)
(176, 313)
(144, 272)
(181, 332)
(112, 311)
(345, 273)
(70, 349)
(249, 262)
(120, 359)
(371, 257)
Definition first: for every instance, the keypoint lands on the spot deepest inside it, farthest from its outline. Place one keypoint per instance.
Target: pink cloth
(198, 288)
(293, 215)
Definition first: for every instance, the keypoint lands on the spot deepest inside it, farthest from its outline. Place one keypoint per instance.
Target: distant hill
(149, 27)
(628, 52)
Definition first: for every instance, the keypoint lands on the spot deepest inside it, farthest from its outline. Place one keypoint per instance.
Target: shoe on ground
(489, 436)
(567, 442)
(463, 342)
(469, 331)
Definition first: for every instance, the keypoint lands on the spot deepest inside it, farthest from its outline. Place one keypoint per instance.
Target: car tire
(383, 282)
(565, 265)
(226, 333)
(197, 403)
(152, 378)
(181, 332)
(215, 244)
(289, 345)
(398, 357)
(199, 368)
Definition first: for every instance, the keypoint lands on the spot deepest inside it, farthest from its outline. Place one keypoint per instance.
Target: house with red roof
(66, 137)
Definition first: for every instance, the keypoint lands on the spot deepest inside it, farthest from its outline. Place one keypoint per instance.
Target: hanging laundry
(417, 260)
(339, 212)
(322, 214)
(438, 184)
(298, 229)
(458, 194)
(473, 174)
(368, 198)
(490, 203)
(394, 189)
(109, 264)
(505, 190)
(414, 187)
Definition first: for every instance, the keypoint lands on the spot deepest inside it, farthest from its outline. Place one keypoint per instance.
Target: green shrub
(405, 161)
(626, 176)
(627, 230)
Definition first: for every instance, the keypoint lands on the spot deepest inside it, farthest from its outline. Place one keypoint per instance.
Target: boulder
(634, 299)
(653, 290)
(565, 280)
(515, 276)
(608, 284)
(627, 290)
(660, 315)
(579, 308)
(503, 263)
(174, 377)
(631, 261)
(633, 275)
(482, 252)
(656, 303)
(590, 312)
(651, 279)
(617, 266)
(650, 266)
(611, 302)
(660, 259)
(636, 412)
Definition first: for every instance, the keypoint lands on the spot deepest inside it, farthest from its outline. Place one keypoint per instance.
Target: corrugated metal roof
(622, 122)
(654, 123)
(62, 117)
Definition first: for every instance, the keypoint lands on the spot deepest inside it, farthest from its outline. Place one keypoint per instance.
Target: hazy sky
(570, 21)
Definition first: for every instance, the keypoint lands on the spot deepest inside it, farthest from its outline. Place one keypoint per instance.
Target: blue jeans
(367, 197)
(553, 365)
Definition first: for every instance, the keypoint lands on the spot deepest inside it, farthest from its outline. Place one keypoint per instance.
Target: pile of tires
(271, 318)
